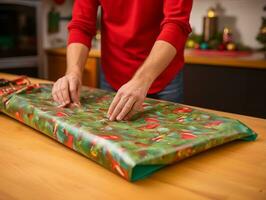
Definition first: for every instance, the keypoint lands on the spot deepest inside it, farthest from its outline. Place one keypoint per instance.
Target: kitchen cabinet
(56, 59)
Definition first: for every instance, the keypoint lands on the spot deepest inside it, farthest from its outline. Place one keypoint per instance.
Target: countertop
(33, 166)
(254, 61)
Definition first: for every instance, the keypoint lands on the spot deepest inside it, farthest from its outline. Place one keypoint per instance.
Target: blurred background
(225, 59)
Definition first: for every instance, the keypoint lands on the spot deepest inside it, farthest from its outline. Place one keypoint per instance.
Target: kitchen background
(221, 72)
(243, 16)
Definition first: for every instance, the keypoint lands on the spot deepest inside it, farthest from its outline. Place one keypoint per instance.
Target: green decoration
(196, 37)
(53, 21)
(195, 41)
(261, 37)
(262, 34)
(204, 46)
(213, 44)
(162, 134)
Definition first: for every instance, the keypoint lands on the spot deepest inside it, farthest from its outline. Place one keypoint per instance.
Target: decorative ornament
(231, 46)
(190, 44)
(261, 37)
(204, 46)
(221, 47)
(227, 35)
(53, 20)
(197, 46)
(210, 25)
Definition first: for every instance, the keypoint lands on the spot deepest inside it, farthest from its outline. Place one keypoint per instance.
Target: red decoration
(213, 124)
(150, 119)
(182, 110)
(197, 46)
(151, 126)
(221, 47)
(61, 114)
(187, 135)
(110, 137)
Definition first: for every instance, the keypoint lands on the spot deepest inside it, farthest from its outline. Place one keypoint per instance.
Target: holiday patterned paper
(162, 134)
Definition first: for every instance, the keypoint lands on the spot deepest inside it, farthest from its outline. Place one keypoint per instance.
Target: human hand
(128, 100)
(66, 89)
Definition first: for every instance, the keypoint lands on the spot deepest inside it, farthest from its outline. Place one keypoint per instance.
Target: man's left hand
(128, 100)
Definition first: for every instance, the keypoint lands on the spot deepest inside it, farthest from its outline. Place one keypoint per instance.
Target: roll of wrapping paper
(162, 134)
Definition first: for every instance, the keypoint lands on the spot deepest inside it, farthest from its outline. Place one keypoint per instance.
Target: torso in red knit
(129, 30)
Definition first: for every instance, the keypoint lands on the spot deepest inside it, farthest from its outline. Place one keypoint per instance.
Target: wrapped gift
(162, 134)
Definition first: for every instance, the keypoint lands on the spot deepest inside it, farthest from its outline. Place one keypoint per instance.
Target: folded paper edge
(143, 171)
(251, 135)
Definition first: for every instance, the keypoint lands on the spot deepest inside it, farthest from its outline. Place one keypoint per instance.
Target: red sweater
(129, 29)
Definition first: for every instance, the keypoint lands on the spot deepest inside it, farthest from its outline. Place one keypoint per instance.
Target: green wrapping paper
(162, 134)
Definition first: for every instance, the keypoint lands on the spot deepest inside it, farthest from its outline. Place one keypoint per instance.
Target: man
(142, 51)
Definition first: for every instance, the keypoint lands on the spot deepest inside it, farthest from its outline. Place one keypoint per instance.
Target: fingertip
(109, 114)
(76, 104)
(109, 111)
(112, 118)
(61, 106)
(68, 101)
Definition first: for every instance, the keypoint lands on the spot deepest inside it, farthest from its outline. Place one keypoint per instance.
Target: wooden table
(33, 166)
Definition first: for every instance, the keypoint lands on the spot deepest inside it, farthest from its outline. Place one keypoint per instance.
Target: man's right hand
(66, 89)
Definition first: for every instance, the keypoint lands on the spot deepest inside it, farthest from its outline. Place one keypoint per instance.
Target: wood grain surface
(33, 166)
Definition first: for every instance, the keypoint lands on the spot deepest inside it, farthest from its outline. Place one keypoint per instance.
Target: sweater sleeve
(175, 26)
(82, 27)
